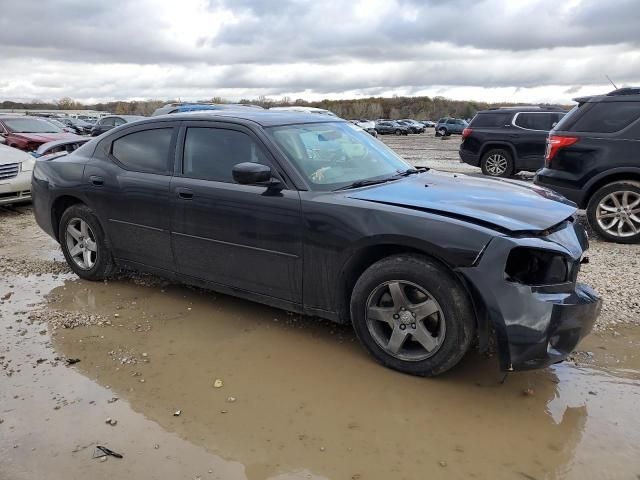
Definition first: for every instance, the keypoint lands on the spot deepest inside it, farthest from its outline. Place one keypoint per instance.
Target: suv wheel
(442, 132)
(497, 163)
(412, 315)
(84, 245)
(614, 212)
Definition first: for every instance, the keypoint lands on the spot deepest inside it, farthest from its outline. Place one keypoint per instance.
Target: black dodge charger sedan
(312, 215)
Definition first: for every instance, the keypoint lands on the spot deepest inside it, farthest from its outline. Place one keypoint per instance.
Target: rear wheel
(398, 132)
(442, 132)
(84, 245)
(412, 315)
(614, 212)
(497, 163)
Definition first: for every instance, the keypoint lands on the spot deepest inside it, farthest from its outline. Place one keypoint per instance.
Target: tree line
(419, 108)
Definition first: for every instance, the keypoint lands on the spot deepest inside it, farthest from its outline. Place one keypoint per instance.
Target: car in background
(504, 141)
(58, 146)
(447, 126)
(414, 127)
(300, 109)
(107, 123)
(198, 107)
(368, 126)
(593, 159)
(58, 124)
(28, 133)
(79, 126)
(428, 123)
(15, 175)
(254, 205)
(384, 127)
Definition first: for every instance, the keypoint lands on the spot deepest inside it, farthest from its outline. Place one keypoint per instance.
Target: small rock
(145, 355)
(591, 392)
(322, 449)
(72, 361)
(113, 400)
(231, 399)
(103, 459)
(177, 413)
(442, 463)
(528, 392)
(116, 315)
(217, 383)
(111, 421)
(156, 446)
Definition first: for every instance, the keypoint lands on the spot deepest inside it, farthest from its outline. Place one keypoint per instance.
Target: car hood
(503, 204)
(47, 137)
(12, 155)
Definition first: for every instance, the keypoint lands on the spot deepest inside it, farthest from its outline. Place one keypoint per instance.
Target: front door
(129, 188)
(242, 236)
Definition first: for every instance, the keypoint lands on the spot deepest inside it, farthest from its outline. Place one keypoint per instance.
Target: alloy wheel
(496, 164)
(81, 243)
(618, 213)
(405, 320)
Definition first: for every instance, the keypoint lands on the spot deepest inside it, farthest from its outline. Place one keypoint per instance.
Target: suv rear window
(489, 120)
(607, 117)
(536, 121)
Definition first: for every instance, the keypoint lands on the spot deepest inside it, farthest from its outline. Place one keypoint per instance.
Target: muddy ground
(299, 398)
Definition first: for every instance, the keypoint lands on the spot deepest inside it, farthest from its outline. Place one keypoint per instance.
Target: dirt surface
(263, 394)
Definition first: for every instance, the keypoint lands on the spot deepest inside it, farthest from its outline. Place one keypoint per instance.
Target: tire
(451, 327)
(618, 223)
(442, 132)
(99, 264)
(497, 162)
(398, 132)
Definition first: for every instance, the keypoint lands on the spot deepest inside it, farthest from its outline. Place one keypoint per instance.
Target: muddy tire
(497, 162)
(614, 212)
(412, 315)
(84, 244)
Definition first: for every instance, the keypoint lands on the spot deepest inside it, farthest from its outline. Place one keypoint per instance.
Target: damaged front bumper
(535, 325)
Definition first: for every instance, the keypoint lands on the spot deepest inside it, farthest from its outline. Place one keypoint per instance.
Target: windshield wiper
(365, 183)
(411, 171)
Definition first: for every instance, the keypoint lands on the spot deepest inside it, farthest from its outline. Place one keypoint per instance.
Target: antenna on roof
(614, 85)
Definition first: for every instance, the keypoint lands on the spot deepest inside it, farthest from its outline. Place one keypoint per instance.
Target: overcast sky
(492, 50)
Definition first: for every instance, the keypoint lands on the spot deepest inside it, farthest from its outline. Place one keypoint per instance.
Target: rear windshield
(602, 117)
(489, 120)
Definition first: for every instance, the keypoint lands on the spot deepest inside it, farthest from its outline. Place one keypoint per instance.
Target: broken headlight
(531, 266)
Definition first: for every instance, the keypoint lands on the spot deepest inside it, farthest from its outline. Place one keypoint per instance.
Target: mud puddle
(299, 398)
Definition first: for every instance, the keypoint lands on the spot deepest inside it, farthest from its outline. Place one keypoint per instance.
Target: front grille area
(9, 170)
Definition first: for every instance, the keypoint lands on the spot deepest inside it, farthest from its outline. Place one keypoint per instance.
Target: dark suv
(593, 158)
(503, 141)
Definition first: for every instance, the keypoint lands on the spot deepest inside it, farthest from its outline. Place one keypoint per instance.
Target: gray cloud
(146, 49)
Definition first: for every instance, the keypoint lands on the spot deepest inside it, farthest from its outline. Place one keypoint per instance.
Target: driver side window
(211, 153)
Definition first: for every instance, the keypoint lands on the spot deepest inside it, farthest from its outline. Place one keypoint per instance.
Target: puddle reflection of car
(423, 264)
(15, 175)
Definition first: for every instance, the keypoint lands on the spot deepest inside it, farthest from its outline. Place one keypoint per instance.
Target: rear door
(532, 129)
(242, 236)
(128, 184)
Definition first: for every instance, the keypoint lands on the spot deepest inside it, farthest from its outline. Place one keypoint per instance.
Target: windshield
(31, 125)
(334, 155)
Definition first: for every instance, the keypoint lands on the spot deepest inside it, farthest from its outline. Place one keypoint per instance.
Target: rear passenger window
(144, 151)
(536, 121)
(490, 120)
(608, 117)
(211, 153)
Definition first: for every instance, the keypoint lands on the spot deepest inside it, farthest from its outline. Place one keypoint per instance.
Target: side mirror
(249, 173)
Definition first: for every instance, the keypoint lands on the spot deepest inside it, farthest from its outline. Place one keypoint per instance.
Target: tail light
(554, 144)
(466, 132)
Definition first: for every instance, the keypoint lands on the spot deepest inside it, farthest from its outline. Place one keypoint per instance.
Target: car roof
(263, 118)
(626, 94)
(136, 117)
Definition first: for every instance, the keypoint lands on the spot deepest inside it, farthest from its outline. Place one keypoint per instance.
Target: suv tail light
(466, 132)
(554, 144)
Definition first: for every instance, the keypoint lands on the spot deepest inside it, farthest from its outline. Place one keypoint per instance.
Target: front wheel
(411, 314)
(398, 132)
(614, 212)
(84, 245)
(442, 132)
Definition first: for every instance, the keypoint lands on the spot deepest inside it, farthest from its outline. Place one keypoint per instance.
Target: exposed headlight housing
(27, 165)
(532, 266)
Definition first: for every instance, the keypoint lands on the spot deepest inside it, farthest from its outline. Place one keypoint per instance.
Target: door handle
(96, 180)
(184, 193)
